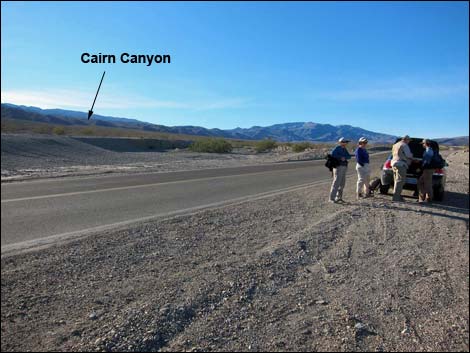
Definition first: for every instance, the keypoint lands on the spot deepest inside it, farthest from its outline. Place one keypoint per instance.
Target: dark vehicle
(413, 172)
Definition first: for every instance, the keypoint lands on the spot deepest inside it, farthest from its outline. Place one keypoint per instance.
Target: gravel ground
(284, 273)
(35, 156)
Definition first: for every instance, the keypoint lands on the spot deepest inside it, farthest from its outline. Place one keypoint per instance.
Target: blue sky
(389, 67)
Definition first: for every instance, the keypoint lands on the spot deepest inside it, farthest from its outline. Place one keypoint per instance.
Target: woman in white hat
(363, 169)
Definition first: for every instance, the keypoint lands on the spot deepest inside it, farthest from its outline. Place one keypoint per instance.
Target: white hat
(363, 139)
(342, 139)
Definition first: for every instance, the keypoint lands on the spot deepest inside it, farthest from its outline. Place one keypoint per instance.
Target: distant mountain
(70, 117)
(454, 141)
(288, 132)
(11, 111)
(301, 131)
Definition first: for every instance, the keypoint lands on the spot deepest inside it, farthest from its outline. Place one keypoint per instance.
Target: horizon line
(238, 127)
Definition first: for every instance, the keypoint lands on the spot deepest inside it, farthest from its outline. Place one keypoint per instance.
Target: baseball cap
(342, 139)
(363, 139)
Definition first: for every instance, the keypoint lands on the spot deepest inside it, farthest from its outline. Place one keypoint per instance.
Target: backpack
(331, 162)
(374, 184)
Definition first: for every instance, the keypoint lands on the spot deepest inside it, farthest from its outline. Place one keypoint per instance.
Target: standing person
(339, 172)
(425, 180)
(401, 160)
(363, 169)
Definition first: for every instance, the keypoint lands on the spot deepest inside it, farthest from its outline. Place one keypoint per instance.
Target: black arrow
(90, 112)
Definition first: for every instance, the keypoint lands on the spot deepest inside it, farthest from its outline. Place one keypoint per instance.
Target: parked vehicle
(413, 172)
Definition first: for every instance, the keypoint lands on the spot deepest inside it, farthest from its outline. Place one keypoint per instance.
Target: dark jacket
(362, 156)
(339, 152)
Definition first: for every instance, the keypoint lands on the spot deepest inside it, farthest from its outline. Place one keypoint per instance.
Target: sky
(390, 67)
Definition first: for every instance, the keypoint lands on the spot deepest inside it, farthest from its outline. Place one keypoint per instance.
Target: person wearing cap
(339, 172)
(363, 169)
(425, 180)
(401, 160)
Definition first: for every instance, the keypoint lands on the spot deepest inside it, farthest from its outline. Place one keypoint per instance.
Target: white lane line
(12, 249)
(136, 186)
(53, 179)
(149, 185)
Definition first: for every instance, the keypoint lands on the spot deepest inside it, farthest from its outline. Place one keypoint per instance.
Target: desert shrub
(265, 145)
(211, 146)
(42, 129)
(58, 130)
(7, 127)
(300, 147)
(88, 131)
(242, 143)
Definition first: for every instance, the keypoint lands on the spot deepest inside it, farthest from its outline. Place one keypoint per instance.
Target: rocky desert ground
(288, 272)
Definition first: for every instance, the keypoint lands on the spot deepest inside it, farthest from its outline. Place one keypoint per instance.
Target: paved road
(50, 209)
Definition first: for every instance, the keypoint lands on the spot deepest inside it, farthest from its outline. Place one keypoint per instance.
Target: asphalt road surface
(44, 211)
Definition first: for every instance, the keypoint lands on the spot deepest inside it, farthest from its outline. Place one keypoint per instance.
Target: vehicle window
(416, 148)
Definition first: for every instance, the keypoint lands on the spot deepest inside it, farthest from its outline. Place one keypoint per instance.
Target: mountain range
(288, 132)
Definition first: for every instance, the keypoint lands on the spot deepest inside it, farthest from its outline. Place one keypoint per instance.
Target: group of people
(401, 160)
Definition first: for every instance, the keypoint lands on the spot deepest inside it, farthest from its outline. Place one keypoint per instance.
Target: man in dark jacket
(339, 173)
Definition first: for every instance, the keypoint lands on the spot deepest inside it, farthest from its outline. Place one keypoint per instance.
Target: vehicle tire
(384, 189)
(438, 193)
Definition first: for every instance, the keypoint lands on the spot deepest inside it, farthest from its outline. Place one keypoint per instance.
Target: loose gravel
(286, 273)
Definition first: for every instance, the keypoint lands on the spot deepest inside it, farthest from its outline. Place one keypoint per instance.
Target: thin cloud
(397, 92)
(222, 104)
(70, 99)
(67, 99)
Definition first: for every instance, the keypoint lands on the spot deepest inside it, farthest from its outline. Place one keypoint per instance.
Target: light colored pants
(399, 173)
(425, 184)
(339, 181)
(363, 178)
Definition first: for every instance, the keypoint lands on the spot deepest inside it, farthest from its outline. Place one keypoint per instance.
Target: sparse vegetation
(265, 145)
(58, 130)
(22, 126)
(302, 146)
(88, 131)
(42, 129)
(210, 145)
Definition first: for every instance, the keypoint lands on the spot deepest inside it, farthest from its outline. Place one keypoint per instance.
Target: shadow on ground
(133, 144)
(453, 202)
(456, 199)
